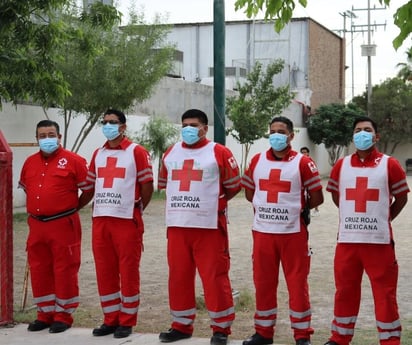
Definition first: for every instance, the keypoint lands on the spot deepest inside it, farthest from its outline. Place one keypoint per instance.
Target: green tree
(30, 32)
(109, 67)
(282, 10)
(405, 72)
(361, 101)
(156, 136)
(256, 104)
(331, 125)
(391, 108)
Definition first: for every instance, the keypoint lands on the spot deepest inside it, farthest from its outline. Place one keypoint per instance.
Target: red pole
(6, 232)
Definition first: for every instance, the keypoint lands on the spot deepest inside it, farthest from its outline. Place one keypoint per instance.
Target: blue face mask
(278, 141)
(363, 140)
(190, 135)
(48, 145)
(110, 131)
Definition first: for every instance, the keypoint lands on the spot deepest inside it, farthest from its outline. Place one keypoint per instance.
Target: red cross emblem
(110, 172)
(274, 185)
(186, 175)
(361, 194)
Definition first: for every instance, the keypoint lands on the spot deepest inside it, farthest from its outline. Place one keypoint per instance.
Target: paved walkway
(18, 335)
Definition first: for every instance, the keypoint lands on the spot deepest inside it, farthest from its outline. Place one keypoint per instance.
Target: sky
(326, 12)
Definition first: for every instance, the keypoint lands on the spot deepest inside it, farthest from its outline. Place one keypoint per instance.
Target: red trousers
(53, 252)
(379, 263)
(290, 250)
(207, 251)
(117, 247)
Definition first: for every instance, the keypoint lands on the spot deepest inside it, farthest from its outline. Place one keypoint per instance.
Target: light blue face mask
(110, 131)
(363, 140)
(278, 141)
(49, 145)
(190, 135)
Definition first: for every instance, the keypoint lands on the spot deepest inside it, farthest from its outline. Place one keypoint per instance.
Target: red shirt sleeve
(247, 178)
(162, 178)
(143, 165)
(333, 182)
(398, 184)
(309, 174)
(228, 168)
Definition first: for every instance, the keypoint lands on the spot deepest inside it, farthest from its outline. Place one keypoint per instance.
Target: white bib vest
(192, 190)
(364, 202)
(115, 186)
(277, 197)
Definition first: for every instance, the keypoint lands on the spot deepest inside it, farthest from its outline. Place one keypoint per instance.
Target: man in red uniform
(51, 179)
(121, 178)
(276, 182)
(200, 177)
(370, 190)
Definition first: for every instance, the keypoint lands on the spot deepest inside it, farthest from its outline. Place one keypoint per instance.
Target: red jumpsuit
(355, 255)
(53, 247)
(281, 185)
(117, 236)
(200, 244)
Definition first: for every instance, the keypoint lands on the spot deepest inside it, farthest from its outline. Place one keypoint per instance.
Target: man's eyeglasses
(112, 122)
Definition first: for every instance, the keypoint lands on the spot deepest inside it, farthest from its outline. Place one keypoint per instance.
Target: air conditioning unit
(237, 72)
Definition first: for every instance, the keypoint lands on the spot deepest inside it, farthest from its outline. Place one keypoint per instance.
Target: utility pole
(351, 15)
(369, 49)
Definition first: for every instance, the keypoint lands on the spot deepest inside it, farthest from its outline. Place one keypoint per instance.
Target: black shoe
(37, 325)
(58, 327)
(172, 335)
(122, 331)
(257, 339)
(218, 338)
(104, 330)
(331, 342)
(303, 342)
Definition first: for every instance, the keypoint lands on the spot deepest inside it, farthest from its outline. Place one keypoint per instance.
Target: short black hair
(285, 120)
(365, 119)
(304, 148)
(120, 115)
(48, 123)
(195, 114)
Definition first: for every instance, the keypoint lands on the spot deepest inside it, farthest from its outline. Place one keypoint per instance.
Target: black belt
(55, 216)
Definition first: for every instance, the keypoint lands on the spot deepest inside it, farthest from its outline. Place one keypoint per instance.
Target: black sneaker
(257, 339)
(122, 331)
(218, 338)
(173, 335)
(331, 342)
(37, 325)
(58, 327)
(104, 330)
(303, 341)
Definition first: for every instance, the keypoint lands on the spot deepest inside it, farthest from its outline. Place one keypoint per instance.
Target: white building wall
(246, 43)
